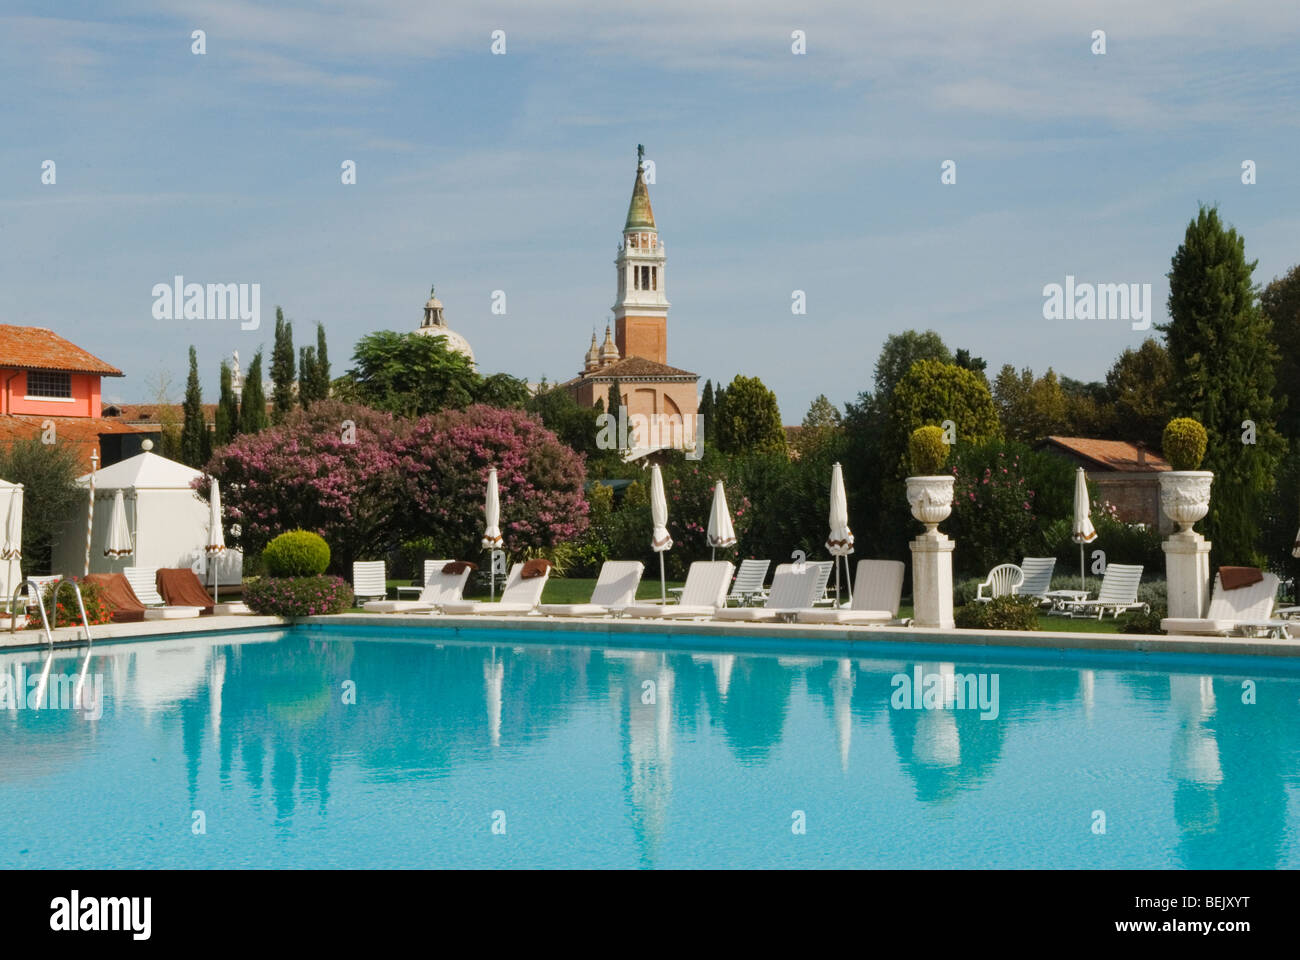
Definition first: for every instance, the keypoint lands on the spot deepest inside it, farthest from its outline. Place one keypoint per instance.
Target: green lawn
(578, 590)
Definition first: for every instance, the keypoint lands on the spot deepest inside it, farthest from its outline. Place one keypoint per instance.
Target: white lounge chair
(1245, 609)
(144, 584)
(1037, 577)
(369, 579)
(439, 588)
(749, 582)
(1118, 592)
(877, 593)
(615, 589)
(704, 592)
(520, 596)
(793, 588)
(1003, 580)
(820, 595)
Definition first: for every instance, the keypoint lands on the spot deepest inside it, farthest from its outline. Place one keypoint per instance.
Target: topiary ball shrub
(297, 553)
(298, 596)
(927, 451)
(1001, 613)
(1184, 443)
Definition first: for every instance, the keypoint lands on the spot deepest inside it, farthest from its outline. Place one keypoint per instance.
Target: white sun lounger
(439, 588)
(369, 579)
(704, 592)
(520, 597)
(877, 592)
(615, 589)
(1247, 609)
(793, 588)
(1038, 577)
(1118, 592)
(749, 582)
(144, 584)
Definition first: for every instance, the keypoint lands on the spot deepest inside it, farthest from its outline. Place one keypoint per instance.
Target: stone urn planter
(931, 500)
(1185, 497)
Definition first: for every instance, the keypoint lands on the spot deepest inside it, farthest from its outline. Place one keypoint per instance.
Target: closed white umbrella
(1295, 551)
(119, 533)
(840, 542)
(492, 528)
(1083, 531)
(722, 532)
(216, 544)
(12, 548)
(659, 538)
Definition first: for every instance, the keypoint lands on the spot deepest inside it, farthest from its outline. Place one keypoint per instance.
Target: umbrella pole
(847, 579)
(1082, 583)
(837, 581)
(663, 584)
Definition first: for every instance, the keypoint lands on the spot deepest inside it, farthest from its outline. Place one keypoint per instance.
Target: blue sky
(774, 172)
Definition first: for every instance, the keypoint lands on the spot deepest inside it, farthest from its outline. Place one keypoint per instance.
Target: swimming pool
(390, 748)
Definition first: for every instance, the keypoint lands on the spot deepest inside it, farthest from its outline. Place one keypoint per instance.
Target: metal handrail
(40, 602)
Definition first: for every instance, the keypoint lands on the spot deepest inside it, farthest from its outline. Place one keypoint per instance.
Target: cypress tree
(195, 444)
(227, 416)
(707, 411)
(252, 411)
(1223, 360)
(282, 369)
(306, 376)
(321, 387)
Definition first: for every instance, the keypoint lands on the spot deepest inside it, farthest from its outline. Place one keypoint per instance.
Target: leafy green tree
(306, 376)
(932, 392)
(964, 360)
(900, 352)
(1280, 302)
(821, 424)
(196, 444)
(409, 374)
(252, 406)
(282, 373)
(47, 472)
(751, 422)
(227, 415)
(502, 390)
(1029, 408)
(1139, 385)
(1223, 374)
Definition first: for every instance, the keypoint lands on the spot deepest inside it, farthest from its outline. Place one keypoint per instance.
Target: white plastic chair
(749, 582)
(1004, 580)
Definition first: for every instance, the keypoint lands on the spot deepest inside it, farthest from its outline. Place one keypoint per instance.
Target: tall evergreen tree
(1281, 302)
(282, 373)
(252, 408)
(226, 420)
(307, 376)
(196, 445)
(614, 406)
(752, 420)
(1223, 361)
(707, 412)
(321, 377)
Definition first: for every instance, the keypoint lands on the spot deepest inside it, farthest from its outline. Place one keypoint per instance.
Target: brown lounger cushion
(181, 588)
(459, 566)
(535, 568)
(1234, 578)
(123, 605)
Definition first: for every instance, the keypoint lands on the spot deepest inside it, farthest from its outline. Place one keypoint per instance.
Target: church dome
(608, 350)
(592, 359)
(435, 325)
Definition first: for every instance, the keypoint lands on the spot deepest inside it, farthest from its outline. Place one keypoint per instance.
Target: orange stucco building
(659, 398)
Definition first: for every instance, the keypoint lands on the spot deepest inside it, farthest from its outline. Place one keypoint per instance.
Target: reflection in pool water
(291, 749)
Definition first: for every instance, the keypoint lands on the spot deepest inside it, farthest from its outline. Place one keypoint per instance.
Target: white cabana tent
(11, 567)
(167, 520)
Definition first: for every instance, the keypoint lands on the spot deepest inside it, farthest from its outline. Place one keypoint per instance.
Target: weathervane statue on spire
(640, 156)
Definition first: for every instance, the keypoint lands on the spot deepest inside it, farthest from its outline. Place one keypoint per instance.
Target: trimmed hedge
(297, 553)
(1001, 613)
(298, 596)
(926, 451)
(1184, 443)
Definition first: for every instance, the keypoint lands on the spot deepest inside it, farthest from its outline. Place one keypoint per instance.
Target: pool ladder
(40, 602)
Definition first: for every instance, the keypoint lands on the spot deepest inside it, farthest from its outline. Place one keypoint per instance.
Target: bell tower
(641, 307)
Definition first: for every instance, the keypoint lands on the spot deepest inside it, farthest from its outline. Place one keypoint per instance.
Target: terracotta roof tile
(1119, 455)
(635, 367)
(83, 432)
(35, 348)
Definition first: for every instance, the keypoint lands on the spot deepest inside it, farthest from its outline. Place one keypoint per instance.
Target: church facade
(661, 401)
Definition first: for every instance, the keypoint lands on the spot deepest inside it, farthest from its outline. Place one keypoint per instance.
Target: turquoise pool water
(243, 751)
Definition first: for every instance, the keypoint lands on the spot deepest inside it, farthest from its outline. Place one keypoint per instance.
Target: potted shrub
(1185, 490)
(929, 492)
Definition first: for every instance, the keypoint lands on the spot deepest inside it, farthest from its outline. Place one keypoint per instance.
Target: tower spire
(639, 214)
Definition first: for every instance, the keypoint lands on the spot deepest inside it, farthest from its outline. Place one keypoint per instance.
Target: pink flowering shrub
(995, 508)
(298, 596)
(366, 481)
(446, 458)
